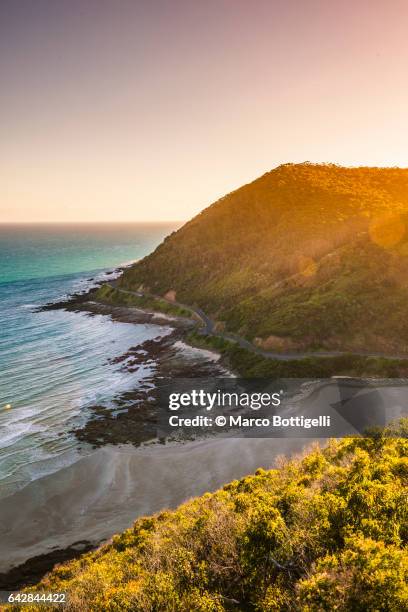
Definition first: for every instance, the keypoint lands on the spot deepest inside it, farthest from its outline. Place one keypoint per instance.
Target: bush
(327, 531)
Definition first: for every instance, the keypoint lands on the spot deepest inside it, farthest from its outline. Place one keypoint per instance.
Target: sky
(148, 110)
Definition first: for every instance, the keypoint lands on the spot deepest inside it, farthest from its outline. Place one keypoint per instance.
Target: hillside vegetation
(326, 531)
(305, 257)
(107, 294)
(248, 364)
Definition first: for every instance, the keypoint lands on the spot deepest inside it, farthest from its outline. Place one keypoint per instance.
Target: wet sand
(104, 493)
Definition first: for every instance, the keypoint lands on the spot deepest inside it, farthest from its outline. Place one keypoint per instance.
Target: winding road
(208, 329)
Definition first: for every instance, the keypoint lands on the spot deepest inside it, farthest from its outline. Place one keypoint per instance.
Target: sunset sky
(151, 109)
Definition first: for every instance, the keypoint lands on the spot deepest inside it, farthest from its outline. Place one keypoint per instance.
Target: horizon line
(92, 222)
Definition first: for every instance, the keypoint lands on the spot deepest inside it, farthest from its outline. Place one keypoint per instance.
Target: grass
(110, 295)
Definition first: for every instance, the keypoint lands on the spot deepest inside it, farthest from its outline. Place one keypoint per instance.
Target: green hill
(325, 532)
(305, 257)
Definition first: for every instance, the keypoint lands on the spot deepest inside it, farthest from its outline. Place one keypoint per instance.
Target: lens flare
(387, 230)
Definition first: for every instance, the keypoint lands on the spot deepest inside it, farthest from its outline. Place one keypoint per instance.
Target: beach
(103, 493)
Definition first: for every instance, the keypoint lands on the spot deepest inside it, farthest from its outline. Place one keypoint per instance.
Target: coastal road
(208, 329)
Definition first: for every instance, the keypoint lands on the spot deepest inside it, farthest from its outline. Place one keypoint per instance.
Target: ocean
(53, 365)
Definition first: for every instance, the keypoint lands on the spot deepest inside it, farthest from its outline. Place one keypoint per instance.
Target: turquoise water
(53, 365)
(46, 251)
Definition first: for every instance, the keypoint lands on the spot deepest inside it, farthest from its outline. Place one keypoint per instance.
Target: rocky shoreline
(132, 417)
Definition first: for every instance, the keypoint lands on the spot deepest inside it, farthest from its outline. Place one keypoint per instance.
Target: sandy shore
(106, 491)
(103, 493)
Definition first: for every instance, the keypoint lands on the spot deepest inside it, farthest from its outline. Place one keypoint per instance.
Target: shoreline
(132, 416)
(105, 492)
(128, 422)
(83, 505)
